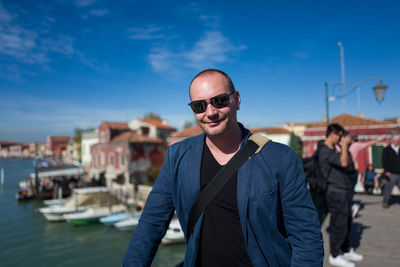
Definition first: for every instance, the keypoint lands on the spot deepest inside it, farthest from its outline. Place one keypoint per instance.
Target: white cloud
(35, 48)
(17, 42)
(5, 16)
(213, 47)
(147, 33)
(161, 59)
(29, 47)
(63, 45)
(99, 12)
(83, 3)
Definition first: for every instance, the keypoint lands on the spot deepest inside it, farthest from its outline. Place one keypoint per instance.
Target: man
(391, 167)
(335, 166)
(263, 216)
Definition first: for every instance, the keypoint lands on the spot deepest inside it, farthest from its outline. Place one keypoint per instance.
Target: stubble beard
(218, 130)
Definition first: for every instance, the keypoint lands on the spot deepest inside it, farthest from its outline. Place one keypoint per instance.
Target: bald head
(209, 72)
(396, 139)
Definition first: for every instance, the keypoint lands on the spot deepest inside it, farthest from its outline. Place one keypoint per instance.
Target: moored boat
(174, 234)
(24, 193)
(91, 215)
(82, 199)
(128, 224)
(114, 218)
(57, 201)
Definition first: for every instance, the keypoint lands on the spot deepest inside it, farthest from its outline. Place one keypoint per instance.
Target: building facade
(126, 156)
(89, 138)
(56, 146)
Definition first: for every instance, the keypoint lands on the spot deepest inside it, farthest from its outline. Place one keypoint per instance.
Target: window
(145, 130)
(122, 160)
(102, 159)
(111, 159)
(103, 137)
(377, 156)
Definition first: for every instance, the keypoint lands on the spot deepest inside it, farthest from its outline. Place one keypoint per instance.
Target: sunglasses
(219, 101)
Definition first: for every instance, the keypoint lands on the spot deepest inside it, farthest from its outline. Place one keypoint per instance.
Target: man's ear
(237, 99)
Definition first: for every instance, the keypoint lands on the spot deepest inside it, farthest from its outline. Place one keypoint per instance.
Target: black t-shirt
(221, 239)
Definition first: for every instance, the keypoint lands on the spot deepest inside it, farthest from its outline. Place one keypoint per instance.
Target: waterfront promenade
(375, 233)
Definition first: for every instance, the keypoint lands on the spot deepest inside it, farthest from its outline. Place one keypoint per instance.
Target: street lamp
(379, 90)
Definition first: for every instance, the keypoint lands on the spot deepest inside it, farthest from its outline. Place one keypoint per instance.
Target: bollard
(2, 176)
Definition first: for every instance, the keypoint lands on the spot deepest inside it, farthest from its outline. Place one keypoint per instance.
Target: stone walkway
(375, 233)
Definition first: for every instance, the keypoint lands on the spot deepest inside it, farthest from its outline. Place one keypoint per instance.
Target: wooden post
(2, 176)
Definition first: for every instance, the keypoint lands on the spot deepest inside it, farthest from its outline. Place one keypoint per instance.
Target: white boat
(82, 199)
(128, 224)
(57, 201)
(92, 215)
(55, 213)
(114, 218)
(174, 234)
(24, 184)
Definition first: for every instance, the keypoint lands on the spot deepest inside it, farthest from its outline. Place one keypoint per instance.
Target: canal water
(27, 238)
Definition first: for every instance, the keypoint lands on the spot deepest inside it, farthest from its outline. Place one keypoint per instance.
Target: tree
(188, 124)
(296, 144)
(152, 116)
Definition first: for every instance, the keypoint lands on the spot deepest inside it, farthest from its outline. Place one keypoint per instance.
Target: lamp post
(379, 90)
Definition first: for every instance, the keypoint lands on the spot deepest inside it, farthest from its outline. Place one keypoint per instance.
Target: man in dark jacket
(335, 166)
(391, 167)
(263, 216)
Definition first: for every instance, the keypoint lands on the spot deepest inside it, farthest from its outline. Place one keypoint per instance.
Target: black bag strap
(252, 146)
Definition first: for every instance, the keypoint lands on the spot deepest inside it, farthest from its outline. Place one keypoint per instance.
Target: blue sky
(67, 64)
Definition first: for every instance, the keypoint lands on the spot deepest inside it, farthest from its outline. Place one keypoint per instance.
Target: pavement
(375, 232)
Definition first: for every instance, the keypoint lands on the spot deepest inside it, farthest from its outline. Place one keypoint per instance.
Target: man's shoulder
(387, 148)
(276, 151)
(186, 143)
(324, 149)
(324, 152)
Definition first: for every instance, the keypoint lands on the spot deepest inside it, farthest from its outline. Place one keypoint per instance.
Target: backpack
(314, 177)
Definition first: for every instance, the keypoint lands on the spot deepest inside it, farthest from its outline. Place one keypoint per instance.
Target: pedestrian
(369, 179)
(263, 216)
(355, 148)
(335, 166)
(391, 167)
(351, 172)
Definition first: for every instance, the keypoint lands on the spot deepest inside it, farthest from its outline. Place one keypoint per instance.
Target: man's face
(396, 140)
(336, 137)
(214, 121)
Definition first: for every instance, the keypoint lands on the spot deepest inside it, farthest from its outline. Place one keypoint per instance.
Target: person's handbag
(254, 145)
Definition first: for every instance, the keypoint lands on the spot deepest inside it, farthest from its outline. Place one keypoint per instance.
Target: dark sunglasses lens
(220, 101)
(199, 106)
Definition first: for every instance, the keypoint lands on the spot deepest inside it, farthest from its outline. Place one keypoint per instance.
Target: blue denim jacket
(278, 219)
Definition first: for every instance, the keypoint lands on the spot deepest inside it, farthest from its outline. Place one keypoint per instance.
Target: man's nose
(211, 110)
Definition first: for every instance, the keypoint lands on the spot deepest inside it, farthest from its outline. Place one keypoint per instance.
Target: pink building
(123, 154)
(56, 146)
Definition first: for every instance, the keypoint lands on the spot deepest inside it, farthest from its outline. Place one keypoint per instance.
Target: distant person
(351, 172)
(391, 167)
(334, 166)
(263, 216)
(369, 179)
(355, 148)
